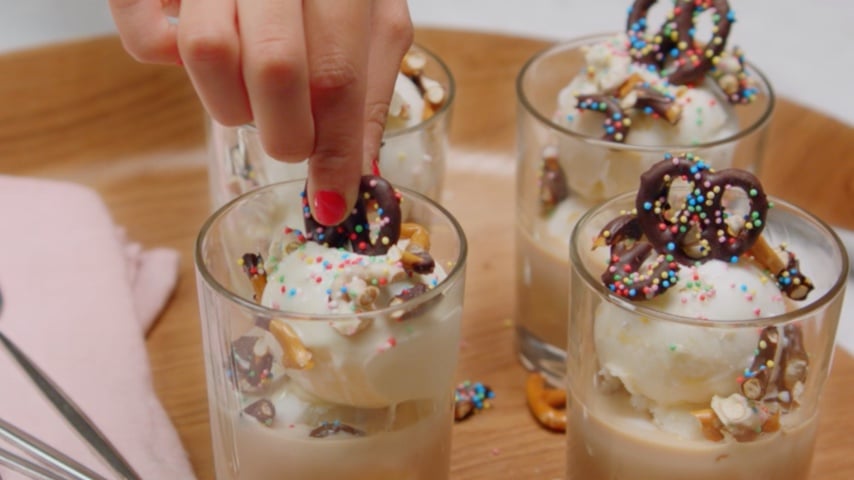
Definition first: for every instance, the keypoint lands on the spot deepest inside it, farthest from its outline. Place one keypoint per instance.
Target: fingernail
(329, 207)
(375, 166)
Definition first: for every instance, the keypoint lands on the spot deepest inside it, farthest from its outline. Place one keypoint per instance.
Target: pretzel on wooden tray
(547, 405)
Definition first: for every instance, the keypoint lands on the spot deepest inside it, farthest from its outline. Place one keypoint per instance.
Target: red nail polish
(375, 166)
(329, 207)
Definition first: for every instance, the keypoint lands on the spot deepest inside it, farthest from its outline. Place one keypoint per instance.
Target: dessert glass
(412, 156)
(595, 170)
(613, 434)
(374, 404)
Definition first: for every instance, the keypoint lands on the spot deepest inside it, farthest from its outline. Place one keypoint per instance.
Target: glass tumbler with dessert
(701, 329)
(596, 112)
(330, 351)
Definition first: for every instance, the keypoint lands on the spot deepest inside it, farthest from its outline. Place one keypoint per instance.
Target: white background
(806, 47)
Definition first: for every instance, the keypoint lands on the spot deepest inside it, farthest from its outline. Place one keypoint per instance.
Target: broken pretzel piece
(790, 280)
(757, 377)
(553, 183)
(294, 353)
(794, 364)
(326, 429)
(432, 92)
(416, 256)
(736, 415)
(263, 410)
(636, 93)
(253, 267)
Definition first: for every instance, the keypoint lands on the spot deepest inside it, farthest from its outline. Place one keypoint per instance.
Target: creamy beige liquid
(542, 285)
(420, 451)
(609, 440)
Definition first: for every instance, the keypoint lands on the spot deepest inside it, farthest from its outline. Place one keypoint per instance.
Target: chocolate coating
(553, 184)
(375, 193)
(694, 60)
(628, 276)
(616, 127)
(644, 48)
(263, 410)
(673, 49)
(792, 282)
(331, 428)
(701, 220)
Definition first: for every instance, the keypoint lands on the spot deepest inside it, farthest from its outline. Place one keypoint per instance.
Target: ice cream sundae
(637, 94)
(347, 372)
(695, 351)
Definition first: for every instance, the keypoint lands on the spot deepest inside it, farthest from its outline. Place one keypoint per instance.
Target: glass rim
(639, 309)
(598, 141)
(267, 312)
(441, 112)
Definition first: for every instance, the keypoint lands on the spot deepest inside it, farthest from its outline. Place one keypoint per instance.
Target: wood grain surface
(86, 112)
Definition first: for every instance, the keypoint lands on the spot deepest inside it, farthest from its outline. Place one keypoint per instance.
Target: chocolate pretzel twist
(377, 197)
(697, 231)
(673, 48)
(629, 273)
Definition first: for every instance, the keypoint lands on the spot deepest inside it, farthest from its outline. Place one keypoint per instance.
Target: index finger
(146, 32)
(337, 39)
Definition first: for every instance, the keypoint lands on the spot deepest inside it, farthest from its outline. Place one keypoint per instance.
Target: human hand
(315, 76)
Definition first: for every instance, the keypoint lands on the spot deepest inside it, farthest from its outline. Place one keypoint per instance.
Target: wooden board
(86, 112)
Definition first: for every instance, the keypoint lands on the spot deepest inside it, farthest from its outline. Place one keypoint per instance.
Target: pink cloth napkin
(78, 299)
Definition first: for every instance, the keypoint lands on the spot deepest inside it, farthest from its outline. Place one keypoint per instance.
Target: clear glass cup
(594, 170)
(683, 370)
(412, 155)
(364, 395)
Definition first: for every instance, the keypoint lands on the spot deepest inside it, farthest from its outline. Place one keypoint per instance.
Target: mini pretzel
(416, 257)
(702, 219)
(253, 267)
(674, 48)
(375, 193)
(548, 405)
(628, 274)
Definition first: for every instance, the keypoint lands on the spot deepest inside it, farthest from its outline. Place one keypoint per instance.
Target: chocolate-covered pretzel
(377, 198)
(643, 48)
(673, 48)
(629, 274)
(697, 231)
(616, 124)
(554, 187)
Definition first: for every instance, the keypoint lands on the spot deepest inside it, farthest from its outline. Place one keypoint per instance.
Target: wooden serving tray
(88, 113)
